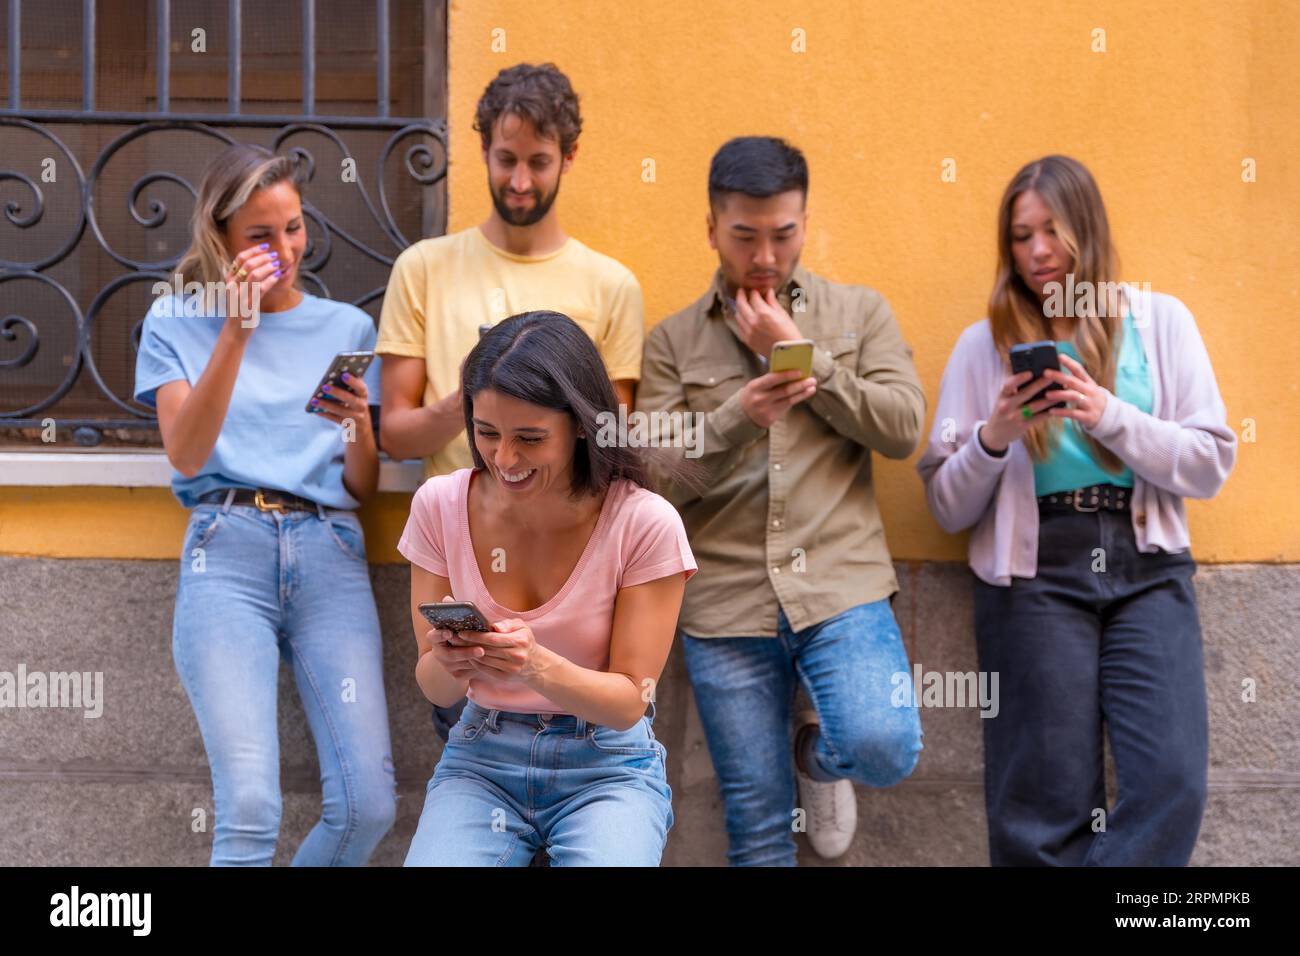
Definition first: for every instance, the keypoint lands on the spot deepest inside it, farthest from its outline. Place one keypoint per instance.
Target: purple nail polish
(278, 273)
(264, 246)
(346, 377)
(325, 388)
(275, 255)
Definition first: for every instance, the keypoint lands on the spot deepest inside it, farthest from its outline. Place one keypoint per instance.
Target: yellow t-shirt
(441, 290)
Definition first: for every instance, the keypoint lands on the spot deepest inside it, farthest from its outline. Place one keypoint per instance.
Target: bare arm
(190, 417)
(438, 684)
(645, 622)
(408, 429)
(360, 457)
(625, 389)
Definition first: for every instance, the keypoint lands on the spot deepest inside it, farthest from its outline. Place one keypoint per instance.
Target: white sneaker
(830, 809)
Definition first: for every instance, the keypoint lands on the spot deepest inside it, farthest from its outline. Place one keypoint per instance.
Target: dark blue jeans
(445, 718)
(1074, 647)
(744, 688)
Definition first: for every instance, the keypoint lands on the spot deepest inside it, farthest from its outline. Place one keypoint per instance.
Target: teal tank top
(1072, 465)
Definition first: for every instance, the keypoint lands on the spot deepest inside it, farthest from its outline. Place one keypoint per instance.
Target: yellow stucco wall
(881, 96)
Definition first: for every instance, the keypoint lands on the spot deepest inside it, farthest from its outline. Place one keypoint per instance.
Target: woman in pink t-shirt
(580, 569)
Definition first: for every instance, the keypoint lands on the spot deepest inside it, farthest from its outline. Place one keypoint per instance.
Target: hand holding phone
(355, 364)
(1037, 358)
(1020, 400)
(459, 617)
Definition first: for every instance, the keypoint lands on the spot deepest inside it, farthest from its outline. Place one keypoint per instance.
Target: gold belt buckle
(264, 505)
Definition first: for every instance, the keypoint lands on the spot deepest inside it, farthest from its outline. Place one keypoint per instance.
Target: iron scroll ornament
(425, 162)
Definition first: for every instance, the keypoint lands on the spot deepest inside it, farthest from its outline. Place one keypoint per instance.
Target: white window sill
(141, 469)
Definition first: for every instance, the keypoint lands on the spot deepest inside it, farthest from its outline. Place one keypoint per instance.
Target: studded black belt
(1092, 498)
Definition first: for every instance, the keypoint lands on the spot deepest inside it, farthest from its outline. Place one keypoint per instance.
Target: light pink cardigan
(1185, 449)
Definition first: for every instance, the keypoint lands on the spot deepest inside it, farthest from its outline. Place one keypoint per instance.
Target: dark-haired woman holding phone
(1084, 603)
(580, 569)
(274, 562)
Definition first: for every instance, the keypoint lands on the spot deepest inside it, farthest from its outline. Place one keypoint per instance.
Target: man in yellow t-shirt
(442, 290)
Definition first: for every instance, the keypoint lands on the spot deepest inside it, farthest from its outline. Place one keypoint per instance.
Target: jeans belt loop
(230, 497)
(579, 728)
(491, 721)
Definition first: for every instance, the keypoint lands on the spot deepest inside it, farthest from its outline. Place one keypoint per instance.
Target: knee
(366, 814)
(252, 808)
(1176, 785)
(376, 814)
(882, 756)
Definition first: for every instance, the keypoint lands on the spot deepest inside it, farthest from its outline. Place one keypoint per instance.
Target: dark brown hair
(540, 94)
(544, 358)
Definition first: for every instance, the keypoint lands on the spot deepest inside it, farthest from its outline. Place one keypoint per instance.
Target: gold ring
(241, 275)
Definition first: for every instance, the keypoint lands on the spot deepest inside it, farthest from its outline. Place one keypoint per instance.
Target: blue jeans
(744, 688)
(510, 783)
(254, 587)
(1074, 646)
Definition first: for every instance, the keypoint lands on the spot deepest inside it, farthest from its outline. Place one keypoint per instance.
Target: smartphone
(455, 616)
(792, 353)
(354, 363)
(1037, 357)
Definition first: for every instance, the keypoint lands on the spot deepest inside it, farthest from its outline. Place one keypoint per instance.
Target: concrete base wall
(122, 789)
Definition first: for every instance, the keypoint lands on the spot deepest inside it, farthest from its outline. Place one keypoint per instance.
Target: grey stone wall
(121, 789)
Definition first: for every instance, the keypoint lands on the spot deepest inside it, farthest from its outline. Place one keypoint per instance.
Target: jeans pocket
(466, 731)
(347, 534)
(203, 524)
(637, 741)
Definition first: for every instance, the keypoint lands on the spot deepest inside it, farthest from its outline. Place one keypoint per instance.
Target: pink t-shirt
(638, 537)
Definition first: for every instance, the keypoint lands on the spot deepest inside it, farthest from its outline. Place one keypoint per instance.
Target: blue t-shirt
(268, 439)
(1072, 465)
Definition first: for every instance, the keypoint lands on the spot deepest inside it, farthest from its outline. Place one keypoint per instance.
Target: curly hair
(540, 94)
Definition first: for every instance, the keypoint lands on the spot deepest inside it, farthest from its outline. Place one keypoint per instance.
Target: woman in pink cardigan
(1084, 603)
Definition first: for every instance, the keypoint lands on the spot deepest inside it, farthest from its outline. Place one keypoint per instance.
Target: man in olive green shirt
(795, 578)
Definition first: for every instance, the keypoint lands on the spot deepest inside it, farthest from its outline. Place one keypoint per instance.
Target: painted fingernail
(278, 273)
(325, 388)
(264, 246)
(275, 255)
(346, 377)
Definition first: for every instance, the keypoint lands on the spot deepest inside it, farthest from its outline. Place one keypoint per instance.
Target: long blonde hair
(233, 176)
(1017, 315)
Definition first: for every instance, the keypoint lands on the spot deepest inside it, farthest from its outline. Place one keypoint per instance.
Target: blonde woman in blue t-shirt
(273, 564)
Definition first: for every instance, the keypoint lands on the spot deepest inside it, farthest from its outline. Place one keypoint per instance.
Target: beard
(524, 217)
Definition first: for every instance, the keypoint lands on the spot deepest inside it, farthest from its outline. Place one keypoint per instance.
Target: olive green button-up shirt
(788, 517)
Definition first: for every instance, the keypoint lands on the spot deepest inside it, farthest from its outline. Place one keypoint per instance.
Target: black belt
(1092, 498)
(264, 499)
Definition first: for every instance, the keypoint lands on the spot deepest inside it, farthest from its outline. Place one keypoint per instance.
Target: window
(110, 111)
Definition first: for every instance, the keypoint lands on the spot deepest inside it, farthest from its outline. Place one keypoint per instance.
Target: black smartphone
(354, 363)
(455, 616)
(1037, 357)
